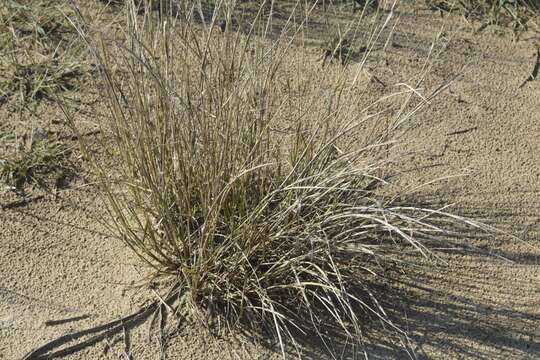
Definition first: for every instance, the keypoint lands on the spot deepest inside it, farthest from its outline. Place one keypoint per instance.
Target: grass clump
(264, 210)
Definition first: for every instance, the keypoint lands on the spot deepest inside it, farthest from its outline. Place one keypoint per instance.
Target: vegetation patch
(41, 54)
(34, 158)
(39, 78)
(519, 15)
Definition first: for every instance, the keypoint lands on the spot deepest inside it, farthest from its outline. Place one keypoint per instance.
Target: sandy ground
(56, 261)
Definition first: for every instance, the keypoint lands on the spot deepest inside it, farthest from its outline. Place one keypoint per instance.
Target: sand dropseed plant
(268, 207)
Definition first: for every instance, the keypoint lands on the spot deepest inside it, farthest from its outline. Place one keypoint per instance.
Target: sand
(57, 262)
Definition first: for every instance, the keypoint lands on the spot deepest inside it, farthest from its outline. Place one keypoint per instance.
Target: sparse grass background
(41, 60)
(268, 213)
(519, 15)
(41, 54)
(34, 158)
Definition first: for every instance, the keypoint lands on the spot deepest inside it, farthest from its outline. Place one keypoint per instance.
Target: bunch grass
(265, 211)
